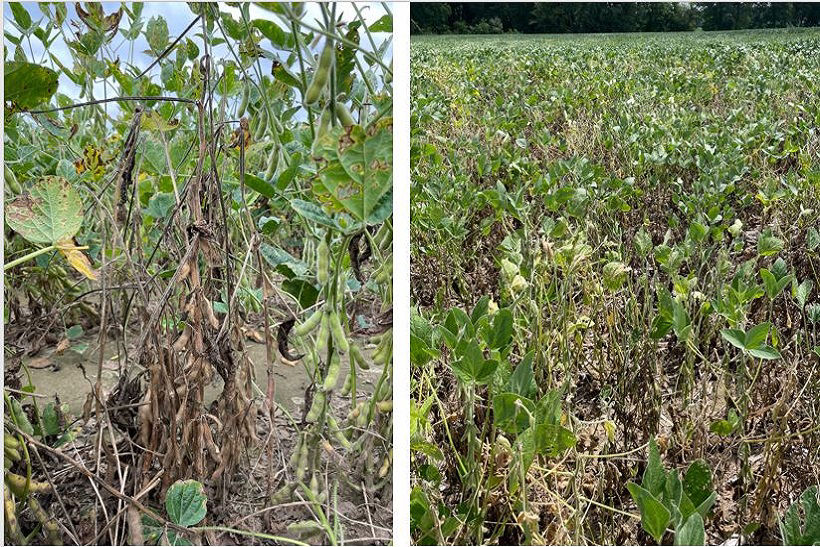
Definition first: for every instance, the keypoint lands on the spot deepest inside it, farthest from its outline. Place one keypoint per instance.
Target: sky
(178, 16)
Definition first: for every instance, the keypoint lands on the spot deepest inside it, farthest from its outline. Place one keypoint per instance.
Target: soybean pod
(263, 124)
(322, 262)
(273, 161)
(322, 74)
(332, 373)
(243, 104)
(308, 324)
(324, 333)
(339, 337)
(357, 356)
(317, 406)
(344, 115)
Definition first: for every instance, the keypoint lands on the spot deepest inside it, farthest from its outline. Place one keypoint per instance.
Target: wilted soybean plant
(614, 271)
(236, 183)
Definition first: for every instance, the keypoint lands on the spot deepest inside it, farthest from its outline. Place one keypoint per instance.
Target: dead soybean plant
(190, 220)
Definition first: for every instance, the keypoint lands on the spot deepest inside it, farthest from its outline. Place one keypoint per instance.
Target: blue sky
(178, 15)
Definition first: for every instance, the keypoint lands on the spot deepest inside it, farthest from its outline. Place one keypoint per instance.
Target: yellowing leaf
(76, 258)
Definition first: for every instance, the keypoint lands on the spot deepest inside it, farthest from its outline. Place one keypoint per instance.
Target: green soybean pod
(337, 433)
(332, 373)
(308, 324)
(263, 124)
(385, 271)
(357, 356)
(344, 115)
(322, 74)
(348, 385)
(323, 262)
(277, 125)
(273, 161)
(316, 407)
(294, 457)
(324, 333)
(338, 332)
(243, 104)
(301, 465)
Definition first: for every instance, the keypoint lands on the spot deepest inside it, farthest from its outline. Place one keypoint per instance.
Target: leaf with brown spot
(53, 211)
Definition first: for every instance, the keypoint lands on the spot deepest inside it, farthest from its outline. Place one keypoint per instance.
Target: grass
(615, 258)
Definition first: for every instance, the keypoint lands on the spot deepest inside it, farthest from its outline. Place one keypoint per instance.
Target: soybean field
(615, 253)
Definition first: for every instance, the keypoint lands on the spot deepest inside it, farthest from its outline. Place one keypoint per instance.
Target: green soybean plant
(665, 499)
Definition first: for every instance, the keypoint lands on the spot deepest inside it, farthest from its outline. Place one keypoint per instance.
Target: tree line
(539, 17)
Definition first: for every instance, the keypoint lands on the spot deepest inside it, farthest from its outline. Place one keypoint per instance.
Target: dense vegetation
(193, 217)
(615, 250)
(561, 17)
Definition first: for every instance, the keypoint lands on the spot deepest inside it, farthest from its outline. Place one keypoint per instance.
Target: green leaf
(552, 440)
(522, 380)
(304, 291)
(273, 32)
(186, 503)
(27, 85)
(765, 352)
(51, 212)
(502, 329)
(654, 476)
(692, 532)
(384, 24)
(279, 259)
(756, 336)
(156, 33)
(512, 412)
(21, 16)
(654, 516)
(51, 422)
(735, 337)
(160, 205)
(768, 244)
(803, 291)
(726, 427)
(420, 352)
(428, 449)
(313, 213)
(472, 367)
(260, 185)
(697, 482)
(359, 170)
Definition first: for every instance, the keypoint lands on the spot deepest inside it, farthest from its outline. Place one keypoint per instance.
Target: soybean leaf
(313, 213)
(735, 337)
(51, 212)
(654, 516)
(522, 380)
(186, 502)
(756, 336)
(654, 476)
(512, 412)
(27, 85)
(692, 532)
(552, 440)
(765, 352)
(260, 185)
(697, 482)
(156, 33)
(502, 329)
(359, 169)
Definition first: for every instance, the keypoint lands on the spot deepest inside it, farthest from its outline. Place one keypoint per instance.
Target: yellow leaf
(76, 258)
